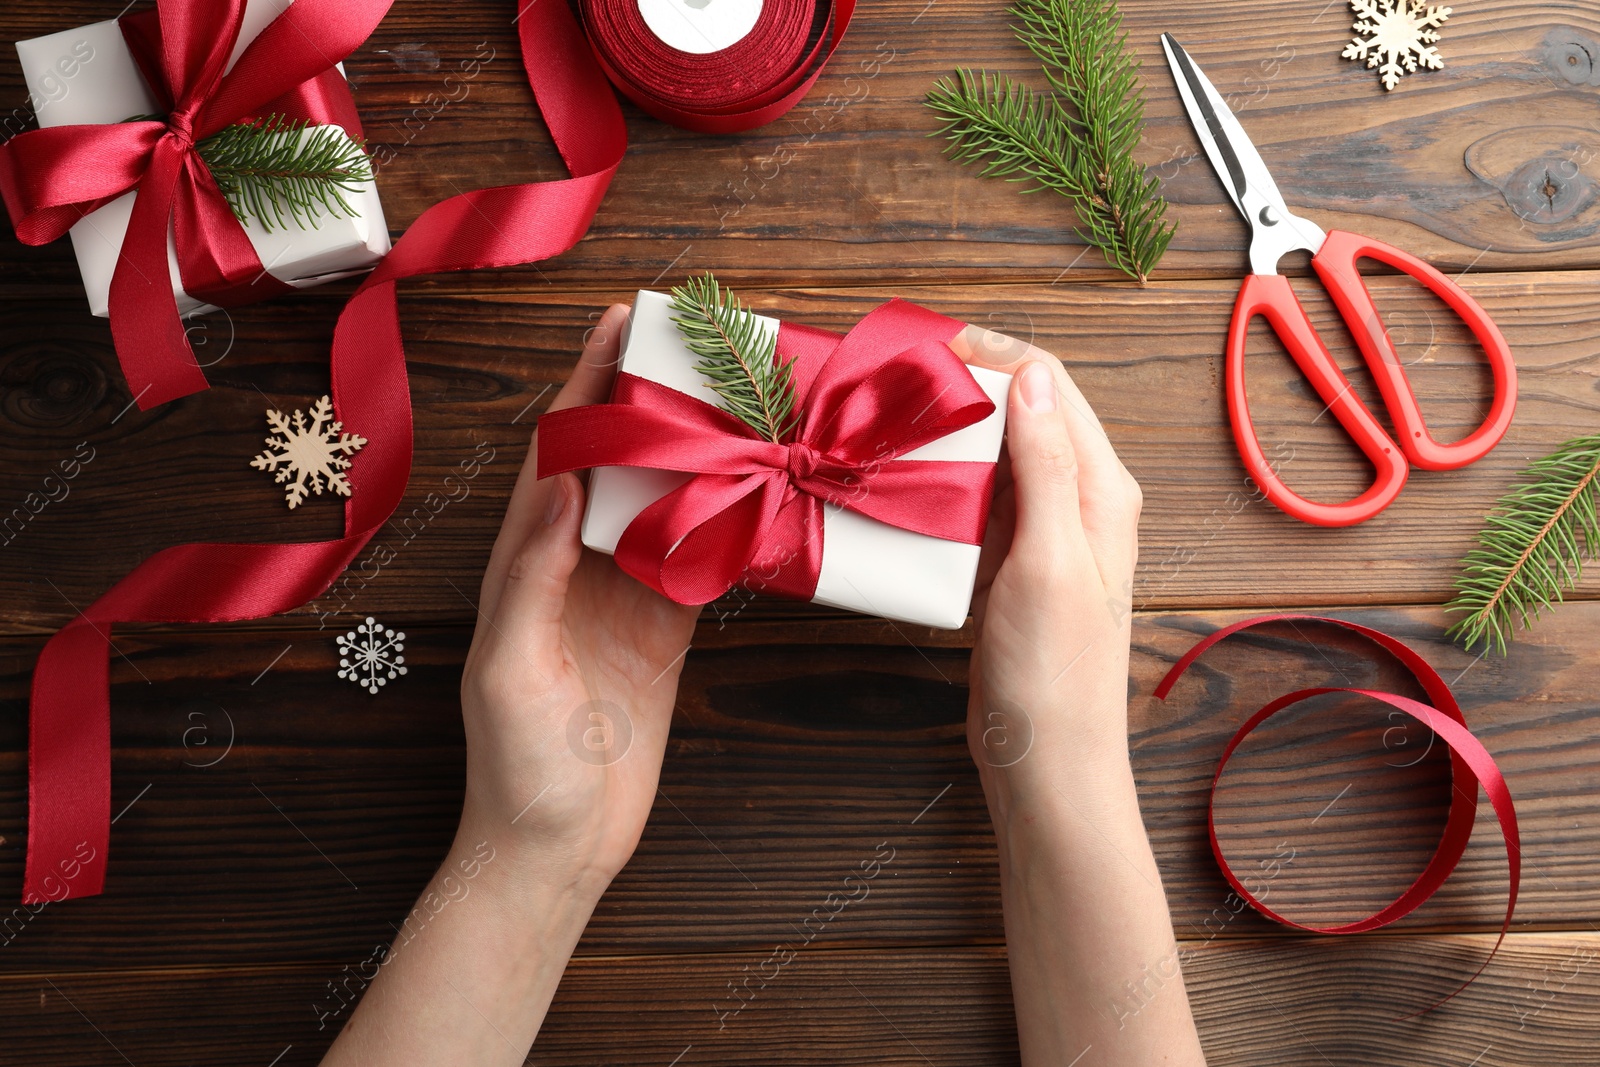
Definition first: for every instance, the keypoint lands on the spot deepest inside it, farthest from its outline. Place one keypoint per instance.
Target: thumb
(1048, 540)
(528, 613)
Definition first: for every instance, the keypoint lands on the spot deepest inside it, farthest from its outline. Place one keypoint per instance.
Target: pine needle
(277, 166)
(1077, 140)
(1529, 550)
(738, 354)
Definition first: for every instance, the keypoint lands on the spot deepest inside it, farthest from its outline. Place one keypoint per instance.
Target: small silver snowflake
(311, 451)
(1398, 34)
(370, 655)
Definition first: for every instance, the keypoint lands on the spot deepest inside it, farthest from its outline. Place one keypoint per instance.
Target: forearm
(472, 969)
(1094, 966)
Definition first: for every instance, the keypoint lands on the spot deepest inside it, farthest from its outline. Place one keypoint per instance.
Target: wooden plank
(797, 749)
(849, 186)
(484, 367)
(1258, 1004)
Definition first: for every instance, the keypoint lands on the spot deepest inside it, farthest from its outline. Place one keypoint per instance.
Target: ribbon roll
(1471, 765)
(746, 84)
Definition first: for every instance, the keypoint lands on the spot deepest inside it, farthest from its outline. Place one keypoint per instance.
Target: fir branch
(277, 165)
(1528, 551)
(738, 354)
(1077, 140)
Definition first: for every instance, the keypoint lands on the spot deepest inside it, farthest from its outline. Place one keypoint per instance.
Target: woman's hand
(569, 686)
(1095, 971)
(567, 697)
(1053, 602)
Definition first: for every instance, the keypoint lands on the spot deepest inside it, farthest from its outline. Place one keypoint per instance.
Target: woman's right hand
(1053, 603)
(1085, 916)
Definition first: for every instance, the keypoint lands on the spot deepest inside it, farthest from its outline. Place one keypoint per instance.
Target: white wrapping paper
(87, 75)
(867, 566)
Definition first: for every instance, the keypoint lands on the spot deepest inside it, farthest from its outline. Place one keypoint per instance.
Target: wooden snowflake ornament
(1396, 36)
(370, 655)
(311, 451)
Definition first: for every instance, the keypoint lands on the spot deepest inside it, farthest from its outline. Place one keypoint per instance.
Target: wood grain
(849, 187)
(797, 749)
(1277, 1003)
(273, 822)
(484, 366)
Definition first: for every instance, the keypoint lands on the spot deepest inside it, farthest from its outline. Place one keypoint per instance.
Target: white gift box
(867, 566)
(87, 75)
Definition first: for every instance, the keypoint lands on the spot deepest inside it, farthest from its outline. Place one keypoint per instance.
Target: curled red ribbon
(51, 178)
(69, 743)
(754, 508)
(745, 85)
(1470, 765)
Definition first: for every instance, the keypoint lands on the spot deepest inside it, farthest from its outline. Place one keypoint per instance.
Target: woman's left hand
(569, 686)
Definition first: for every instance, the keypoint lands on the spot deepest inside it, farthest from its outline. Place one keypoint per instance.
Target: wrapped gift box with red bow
(90, 75)
(876, 503)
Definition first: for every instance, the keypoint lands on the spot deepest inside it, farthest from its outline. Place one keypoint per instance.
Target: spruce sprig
(1531, 548)
(738, 353)
(1077, 140)
(276, 166)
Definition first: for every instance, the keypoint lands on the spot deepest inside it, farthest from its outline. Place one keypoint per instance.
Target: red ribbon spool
(748, 84)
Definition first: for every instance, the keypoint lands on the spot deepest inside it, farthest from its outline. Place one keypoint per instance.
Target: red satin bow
(1471, 765)
(69, 742)
(755, 507)
(51, 178)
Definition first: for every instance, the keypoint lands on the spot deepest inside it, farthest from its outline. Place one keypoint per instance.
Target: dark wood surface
(278, 820)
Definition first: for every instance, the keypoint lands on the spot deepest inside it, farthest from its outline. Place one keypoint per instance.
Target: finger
(590, 384)
(1110, 497)
(979, 347)
(1049, 544)
(527, 614)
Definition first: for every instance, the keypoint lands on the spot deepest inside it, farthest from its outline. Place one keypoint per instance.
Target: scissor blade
(1229, 148)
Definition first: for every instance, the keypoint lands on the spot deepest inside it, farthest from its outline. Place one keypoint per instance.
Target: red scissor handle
(1335, 263)
(1269, 296)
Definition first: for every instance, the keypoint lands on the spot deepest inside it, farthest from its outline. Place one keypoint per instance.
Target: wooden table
(276, 823)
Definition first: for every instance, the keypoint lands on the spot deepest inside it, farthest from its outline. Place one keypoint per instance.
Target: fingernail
(558, 502)
(1038, 388)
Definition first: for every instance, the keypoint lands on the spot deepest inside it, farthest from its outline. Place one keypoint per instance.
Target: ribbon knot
(802, 461)
(180, 126)
(891, 385)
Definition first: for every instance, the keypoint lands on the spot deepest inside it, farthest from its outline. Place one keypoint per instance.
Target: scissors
(1275, 230)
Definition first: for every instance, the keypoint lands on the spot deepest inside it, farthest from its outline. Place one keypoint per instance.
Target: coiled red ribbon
(745, 85)
(755, 507)
(69, 753)
(1471, 765)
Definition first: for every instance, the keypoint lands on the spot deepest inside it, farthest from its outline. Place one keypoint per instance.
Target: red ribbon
(754, 508)
(50, 178)
(1471, 765)
(745, 85)
(69, 747)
